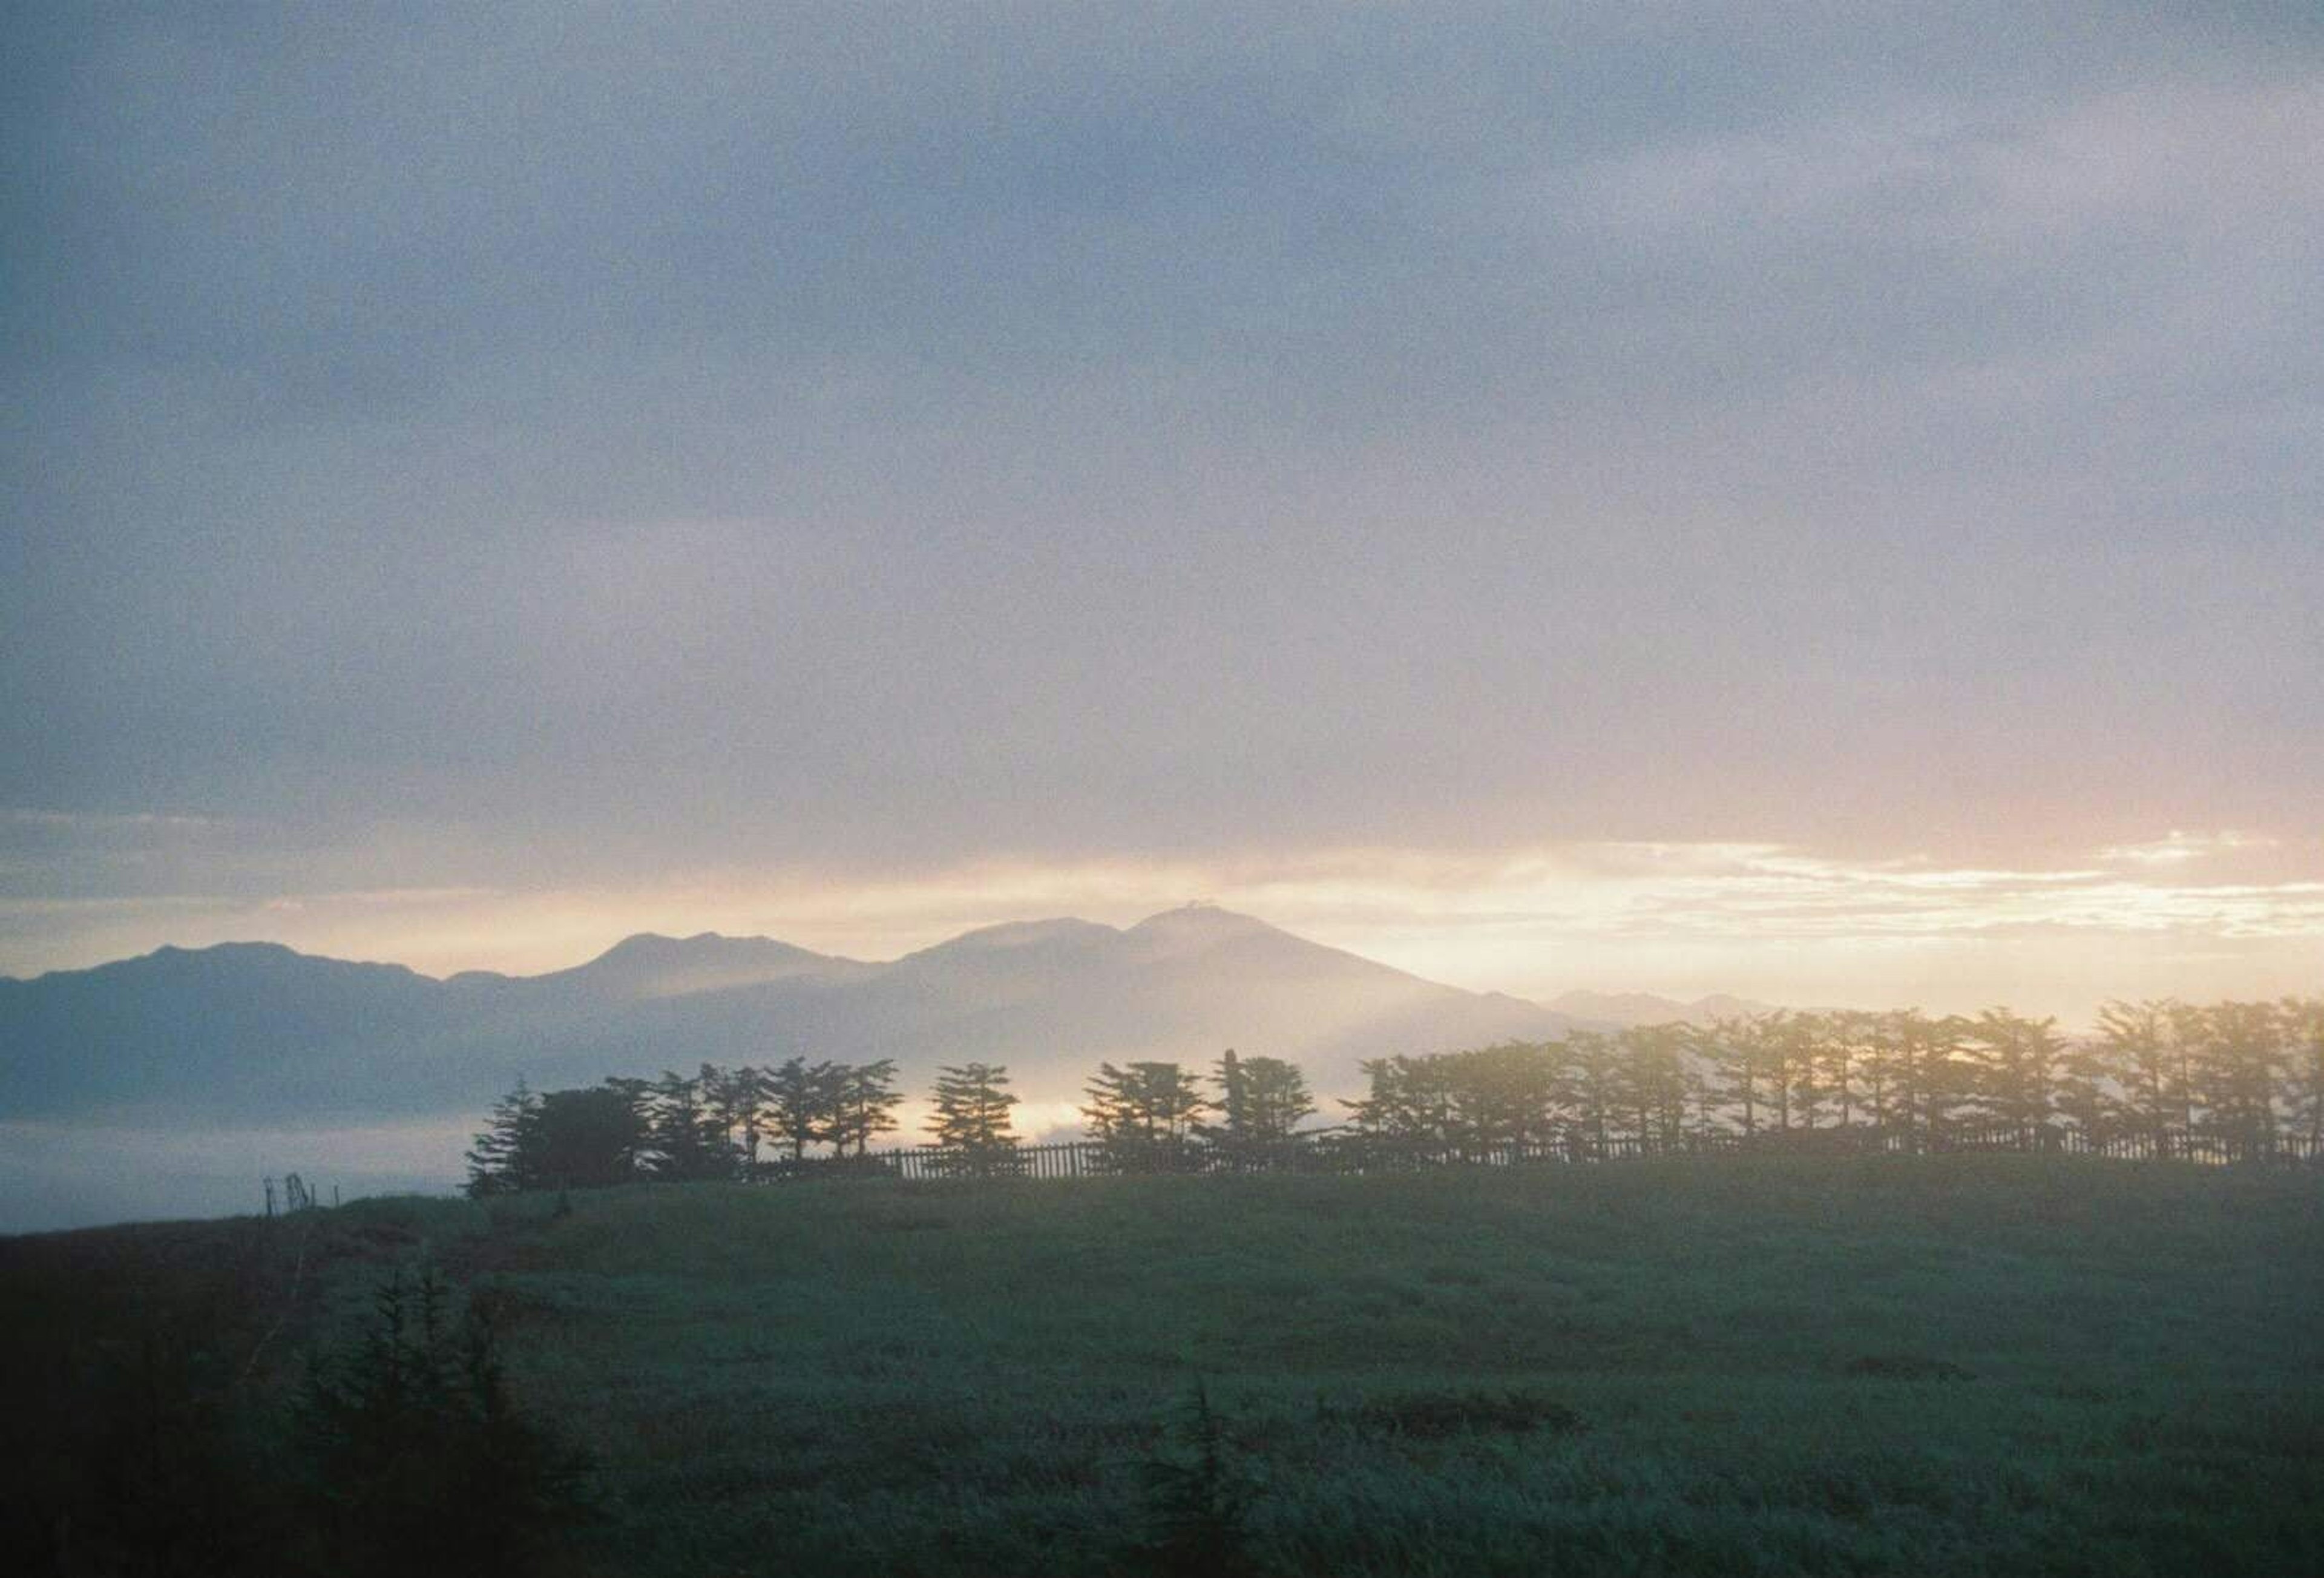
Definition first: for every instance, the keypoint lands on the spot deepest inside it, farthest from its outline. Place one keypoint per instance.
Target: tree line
(749, 1122)
(2237, 1078)
(2242, 1077)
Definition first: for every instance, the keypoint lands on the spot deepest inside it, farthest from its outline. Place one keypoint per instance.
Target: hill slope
(1777, 1365)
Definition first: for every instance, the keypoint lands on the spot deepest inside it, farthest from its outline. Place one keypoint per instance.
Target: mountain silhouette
(257, 1032)
(1644, 1008)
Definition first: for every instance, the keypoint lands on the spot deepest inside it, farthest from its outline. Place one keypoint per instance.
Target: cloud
(464, 449)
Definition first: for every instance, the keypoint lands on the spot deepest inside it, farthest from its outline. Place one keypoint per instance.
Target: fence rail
(1347, 1151)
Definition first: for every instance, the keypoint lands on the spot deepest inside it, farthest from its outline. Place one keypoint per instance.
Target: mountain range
(252, 1032)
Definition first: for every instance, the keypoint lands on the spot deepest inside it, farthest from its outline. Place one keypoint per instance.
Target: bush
(415, 1455)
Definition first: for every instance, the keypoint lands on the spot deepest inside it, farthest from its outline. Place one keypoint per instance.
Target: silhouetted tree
(2239, 1066)
(1739, 1053)
(1259, 1105)
(1498, 1097)
(587, 1139)
(971, 1124)
(1143, 1115)
(730, 1098)
(503, 1157)
(1276, 1099)
(802, 1104)
(1407, 1108)
(1594, 1089)
(2150, 1072)
(685, 1143)
(865, 1104)
(2014, 1064)
(1652, 1083)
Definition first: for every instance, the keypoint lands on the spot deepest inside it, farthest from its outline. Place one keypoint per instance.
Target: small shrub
(416, 1457)
(1198, 1502)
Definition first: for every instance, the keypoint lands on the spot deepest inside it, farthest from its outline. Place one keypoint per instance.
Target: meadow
(1753, 1364)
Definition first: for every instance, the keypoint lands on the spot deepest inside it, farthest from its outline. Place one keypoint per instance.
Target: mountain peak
(658, 966)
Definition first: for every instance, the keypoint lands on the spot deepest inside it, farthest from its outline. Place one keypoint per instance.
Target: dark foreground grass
(1730, 1366)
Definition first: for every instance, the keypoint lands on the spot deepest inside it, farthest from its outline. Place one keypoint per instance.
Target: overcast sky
(1805, 500)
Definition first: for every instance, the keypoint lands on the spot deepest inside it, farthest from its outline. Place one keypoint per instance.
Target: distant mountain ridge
(255, 1031)
(1644, 1008)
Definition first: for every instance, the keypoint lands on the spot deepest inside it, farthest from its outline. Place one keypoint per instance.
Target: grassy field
(1734, 1366)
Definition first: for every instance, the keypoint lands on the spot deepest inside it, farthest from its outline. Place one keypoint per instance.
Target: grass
(1744, 1365)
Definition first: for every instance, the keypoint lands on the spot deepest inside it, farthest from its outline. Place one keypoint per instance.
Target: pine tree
(1261, 1103)
(2138, 1056)
(504, 1156)
(685, 1142)
(1593, 1090)
(971, 1123)
(865, 1104)
(2241, 1060)
(1651, 1083)
(1142, 1115)
(802, 1104)
(1276, 1099)
(2014, 1064)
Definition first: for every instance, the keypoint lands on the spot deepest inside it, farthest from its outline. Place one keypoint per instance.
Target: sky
(1819, 503)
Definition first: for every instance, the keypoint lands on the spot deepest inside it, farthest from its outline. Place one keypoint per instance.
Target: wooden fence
(1348, 1152)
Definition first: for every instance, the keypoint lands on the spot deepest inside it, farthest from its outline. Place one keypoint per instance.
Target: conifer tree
(1593, 1085)
(1143, 1115)
(2240, 1064)
(1276, 1099)
(1651, 1082)
(2015, 1064)
(863, 1102)
(971, 1122)
(802, 1104)
(685, 1142)
(503, 1155)
(2138, 1056)
(1260, 1105)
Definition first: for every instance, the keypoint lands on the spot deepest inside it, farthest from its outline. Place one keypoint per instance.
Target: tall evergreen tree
(971, 1124)
(864, 1104)
(503, 1155)
(2140, 1058)
(1259, 1105)
(1594, 1089)
(802, 1104)
(1652, 1083)
(1277, 1099)
(2239, 1067)
(1740, 1052)
(2015, 1064)
(1407, 1106)
(684, 1141)
(1143, 1115)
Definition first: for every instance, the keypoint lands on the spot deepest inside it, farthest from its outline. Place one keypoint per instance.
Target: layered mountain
(255, 1032)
